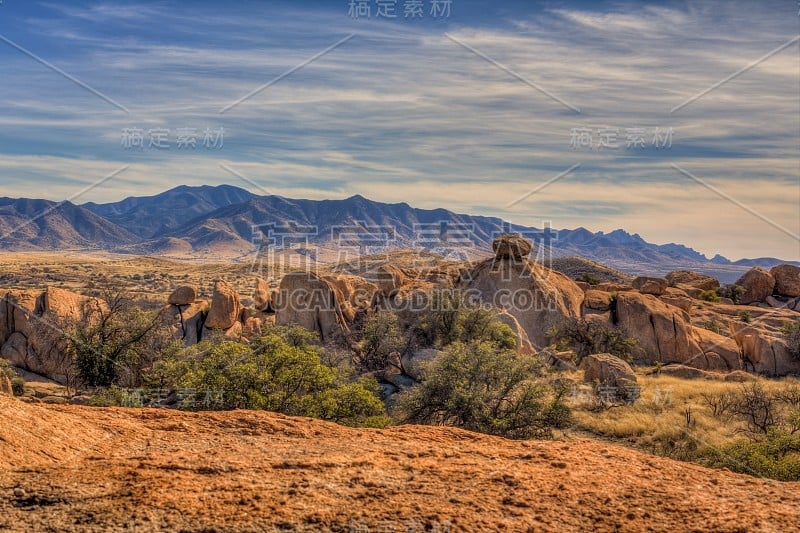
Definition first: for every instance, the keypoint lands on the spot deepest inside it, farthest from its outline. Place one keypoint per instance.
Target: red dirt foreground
(70, 468)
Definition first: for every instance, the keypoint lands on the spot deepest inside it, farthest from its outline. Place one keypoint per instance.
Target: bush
(591, 279)
(587, 338)
(114, 345)
(791, 334)
(18, 386)
(745, 316)
(451, 319)
(381, 336)
(709, 296)
(482, 388)
(713, 325)
(775, 456)
(732, 291)
(270, 374)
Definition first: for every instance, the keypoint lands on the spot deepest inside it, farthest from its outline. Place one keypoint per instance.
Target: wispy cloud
(402, 113)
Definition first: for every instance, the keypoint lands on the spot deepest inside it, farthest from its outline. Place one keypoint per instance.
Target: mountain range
(227, 221)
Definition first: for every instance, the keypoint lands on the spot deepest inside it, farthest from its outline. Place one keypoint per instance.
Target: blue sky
(475, 111)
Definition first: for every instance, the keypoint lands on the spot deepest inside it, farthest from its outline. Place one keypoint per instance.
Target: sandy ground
(70, 468)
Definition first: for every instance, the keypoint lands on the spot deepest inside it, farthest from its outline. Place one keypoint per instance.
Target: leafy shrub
(114, 396)
(713, 325)
(114, 345)
(745, 316)
(732, 291)
(591, 279)
(271, 374)
(709, 296)
(450, 318)
(775, 456)
(587, 338)
(18, 386)
(381, 336)
(482, 388)
(791, 334)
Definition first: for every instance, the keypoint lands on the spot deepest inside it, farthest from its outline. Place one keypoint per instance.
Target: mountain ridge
(228, 220)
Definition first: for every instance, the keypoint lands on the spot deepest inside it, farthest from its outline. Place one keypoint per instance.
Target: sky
(679, 121)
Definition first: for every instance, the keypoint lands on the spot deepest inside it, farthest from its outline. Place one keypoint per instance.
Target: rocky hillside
(70, 468)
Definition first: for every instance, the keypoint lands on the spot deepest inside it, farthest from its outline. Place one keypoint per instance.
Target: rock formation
(787, 280)
(758, 284)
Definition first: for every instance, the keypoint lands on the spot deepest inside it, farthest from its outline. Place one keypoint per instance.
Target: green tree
(482, 388)
(586, 338)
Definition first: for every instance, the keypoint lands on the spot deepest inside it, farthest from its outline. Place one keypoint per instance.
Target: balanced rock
(787, 280)
(225, 306)
(183, 295)
(758, 284)
(654, 286)
(539, 298)
(511, 247)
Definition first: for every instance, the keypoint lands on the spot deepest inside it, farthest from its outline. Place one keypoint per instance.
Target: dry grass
(671, 417)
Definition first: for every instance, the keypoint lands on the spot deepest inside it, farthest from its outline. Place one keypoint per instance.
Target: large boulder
(597, 300)
(758, 284)
(719, 353)
(645, 285)
(187, 320)
(511, 247)
(66, 305)
(15, 350)
(607, 369)
(787, 280)
(539, 298)
(763, 353)
(183, 295)
(687, 278)
(225, 306)
(677, 298)
(664, 332)
(309, 301)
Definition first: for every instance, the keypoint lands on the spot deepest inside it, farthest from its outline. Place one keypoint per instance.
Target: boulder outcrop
(183, 295)
(763, 353)
(687, 278)
(309, 301)
(225, 306)
(646, 285)
(511, 247)
(607, 369)
(539, 298)
(787, 280)
(664, 332)
(758, 284)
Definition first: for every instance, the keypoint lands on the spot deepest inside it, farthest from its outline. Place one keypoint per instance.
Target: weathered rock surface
(225, 306)
(758, 284)
(691, 279)
(183, 295)
(664, 332)
(548, 485)
(524, 344)
(311, 302)
(537, 297)
(262, 296)
(763, 353)
(646, 285)
(719, 353)
(607, 369)
(597, 300)
(787, 280)
(5, 385)
(511, 247)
